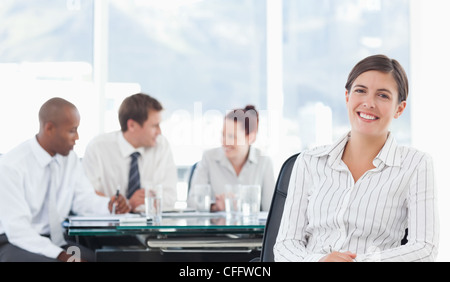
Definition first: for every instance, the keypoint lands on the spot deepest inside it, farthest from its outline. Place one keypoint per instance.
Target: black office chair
(276, 210)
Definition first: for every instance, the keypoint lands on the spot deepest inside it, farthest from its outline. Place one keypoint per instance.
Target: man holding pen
(134, 158)
(115, 202)
(41, 181)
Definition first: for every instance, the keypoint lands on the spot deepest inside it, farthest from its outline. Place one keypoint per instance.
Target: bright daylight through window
(200, 58)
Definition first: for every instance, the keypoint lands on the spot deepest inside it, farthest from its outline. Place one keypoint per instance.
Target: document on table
(111, 217)
(192, 213)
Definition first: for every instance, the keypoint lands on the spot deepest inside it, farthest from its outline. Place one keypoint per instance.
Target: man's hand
(121, 203)
(64, 257)
(137, 199)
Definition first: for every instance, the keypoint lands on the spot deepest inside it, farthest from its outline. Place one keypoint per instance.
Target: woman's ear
(346, 96)
(400, 109)
(252, 137)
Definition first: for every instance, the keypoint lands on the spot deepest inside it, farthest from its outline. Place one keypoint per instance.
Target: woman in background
(237, 161)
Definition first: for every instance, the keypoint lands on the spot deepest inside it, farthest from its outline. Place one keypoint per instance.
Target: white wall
(430, 98)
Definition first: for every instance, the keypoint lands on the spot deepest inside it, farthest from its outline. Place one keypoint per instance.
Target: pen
(114, 203)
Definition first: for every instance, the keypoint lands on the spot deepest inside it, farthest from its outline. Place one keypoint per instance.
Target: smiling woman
(237, 161)
(373, 100)
(376, 94)
(353, 200)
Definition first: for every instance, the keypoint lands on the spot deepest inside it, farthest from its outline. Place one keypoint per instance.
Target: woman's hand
(220, 203)
(339, 257)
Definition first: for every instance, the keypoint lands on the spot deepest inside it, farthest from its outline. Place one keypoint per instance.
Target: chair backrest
(276, 209)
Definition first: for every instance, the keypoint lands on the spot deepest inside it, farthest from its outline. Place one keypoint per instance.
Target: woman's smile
(367, 116)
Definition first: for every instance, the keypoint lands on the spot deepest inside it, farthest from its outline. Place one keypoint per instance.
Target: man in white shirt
(108, 159)
(41, 181)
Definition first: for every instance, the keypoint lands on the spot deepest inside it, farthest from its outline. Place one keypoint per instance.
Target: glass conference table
(180, 236)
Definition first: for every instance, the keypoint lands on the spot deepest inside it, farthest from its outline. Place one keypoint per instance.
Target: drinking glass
(202, 197)
(250, 196)
(153, 203)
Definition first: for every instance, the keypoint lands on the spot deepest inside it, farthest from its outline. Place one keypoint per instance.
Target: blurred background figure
(236, 162)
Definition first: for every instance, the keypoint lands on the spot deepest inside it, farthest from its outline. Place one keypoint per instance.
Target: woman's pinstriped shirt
(326, 210)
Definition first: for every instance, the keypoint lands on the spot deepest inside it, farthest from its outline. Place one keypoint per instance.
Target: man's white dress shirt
(215, 169)
(24, 183)
(107, 165)
(326, 210)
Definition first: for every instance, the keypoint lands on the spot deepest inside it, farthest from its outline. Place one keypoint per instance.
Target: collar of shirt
(389, 155)
(252, 157)
(225, 162)
(126, 148)
(42, 156)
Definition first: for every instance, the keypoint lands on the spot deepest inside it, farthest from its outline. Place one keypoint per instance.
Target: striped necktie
(134, 181)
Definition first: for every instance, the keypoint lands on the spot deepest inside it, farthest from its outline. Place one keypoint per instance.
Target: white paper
(111, 217)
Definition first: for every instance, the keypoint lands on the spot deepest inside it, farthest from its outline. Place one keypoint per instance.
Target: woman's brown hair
(247, 116)
(383, 64)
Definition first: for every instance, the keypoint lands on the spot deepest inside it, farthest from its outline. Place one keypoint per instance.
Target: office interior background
(202, 58)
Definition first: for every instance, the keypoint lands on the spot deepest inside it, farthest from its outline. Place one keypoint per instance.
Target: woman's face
(373, 103)
(234, 140)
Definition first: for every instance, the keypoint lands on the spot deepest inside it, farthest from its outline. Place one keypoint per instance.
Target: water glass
(202, 197)
(250, 196)
(232, 199)
(153, 203)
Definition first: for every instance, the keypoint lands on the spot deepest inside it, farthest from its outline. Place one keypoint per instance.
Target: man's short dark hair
(136, 107)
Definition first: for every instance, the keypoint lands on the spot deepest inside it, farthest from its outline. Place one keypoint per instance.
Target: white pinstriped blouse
(327, 211)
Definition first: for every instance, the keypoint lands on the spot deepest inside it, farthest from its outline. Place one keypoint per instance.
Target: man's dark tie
(134, 181)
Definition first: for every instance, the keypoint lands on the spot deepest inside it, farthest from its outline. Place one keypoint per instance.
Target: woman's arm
(292, 238)
(423, 224)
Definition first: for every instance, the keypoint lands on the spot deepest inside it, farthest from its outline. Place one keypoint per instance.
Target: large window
(209, 51)
(200, 58)
(323, 40)
(45, 51)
